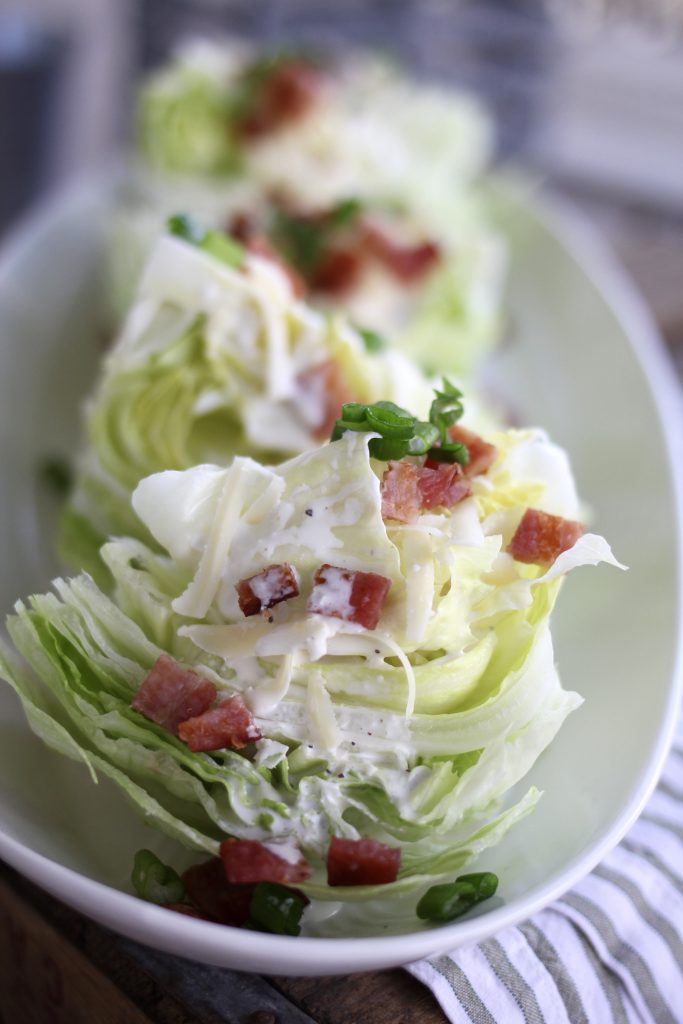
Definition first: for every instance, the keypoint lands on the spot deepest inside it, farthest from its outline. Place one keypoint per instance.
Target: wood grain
(46, 980)
(47, 948)
(379, 997)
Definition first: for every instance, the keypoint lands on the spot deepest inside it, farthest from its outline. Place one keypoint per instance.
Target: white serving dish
(585, 362)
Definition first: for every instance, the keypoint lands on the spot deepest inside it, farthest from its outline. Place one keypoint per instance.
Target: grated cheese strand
(196, 599)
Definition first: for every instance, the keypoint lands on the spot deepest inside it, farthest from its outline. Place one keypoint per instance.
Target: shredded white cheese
(383, 639)
(196, 599)
(323, 729)
(263, 699)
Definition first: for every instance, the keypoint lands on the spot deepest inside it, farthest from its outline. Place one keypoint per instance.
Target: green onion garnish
(403, 434)
(305, 238)
(218, 245)
(276, 908)
(154, 881)
(373, 341)
(446, 902)
(57, 474)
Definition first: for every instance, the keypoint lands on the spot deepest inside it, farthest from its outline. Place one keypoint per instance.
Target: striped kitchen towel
(611, 950)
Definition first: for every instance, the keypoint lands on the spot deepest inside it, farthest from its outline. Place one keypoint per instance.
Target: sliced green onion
(452, 451)
(340, 426)
(344, 212)
(218, 245)
(373, 341)
(57, 474)
(402, 434)
(395, 410)
(154, 881)
(354, 412)
(183, 226)
(446, 902)
(388, 424)
(302, 240)
(223, 248)
(447, 407)
(426, 435)
(276, 908)
(388, 449)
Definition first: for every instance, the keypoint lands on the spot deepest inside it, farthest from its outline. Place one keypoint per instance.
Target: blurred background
(587, 96)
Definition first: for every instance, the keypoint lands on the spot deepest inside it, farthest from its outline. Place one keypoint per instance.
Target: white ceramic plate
(584, 362)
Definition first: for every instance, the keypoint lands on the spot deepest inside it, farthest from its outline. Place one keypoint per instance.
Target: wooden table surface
(57, 967)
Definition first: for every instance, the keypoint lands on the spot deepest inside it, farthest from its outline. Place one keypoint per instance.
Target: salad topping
(348, 594)
(245, 860)
(540, 538)
(361, 862)
(230, 724)
(170, 694)
(267, 588)
(394, 699)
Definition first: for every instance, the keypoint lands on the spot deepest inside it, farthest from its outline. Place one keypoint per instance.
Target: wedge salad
(218, 356)
(323, 676)
(362, 178)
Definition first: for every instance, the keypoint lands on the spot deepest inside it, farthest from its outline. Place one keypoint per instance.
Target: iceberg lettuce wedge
(413, 738)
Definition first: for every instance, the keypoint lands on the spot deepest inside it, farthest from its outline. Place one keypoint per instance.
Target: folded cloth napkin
(610, 950)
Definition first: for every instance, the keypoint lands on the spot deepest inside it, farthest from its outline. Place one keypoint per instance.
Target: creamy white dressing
(419, 573)
(332, 595)
(286, 850)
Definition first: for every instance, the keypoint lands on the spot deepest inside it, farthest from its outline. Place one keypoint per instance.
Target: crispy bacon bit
(349, 595)
(361, 862)
(401, 496)
(406, 262)
(170, 694)
(214, 897)
(337, 271)
(323, 391)
(442, 484)
(267, 588)
(242, 227)
(407, 488)
(284, 95)
(482, 454)
(540, 537)
(248, 861)
(229, 725)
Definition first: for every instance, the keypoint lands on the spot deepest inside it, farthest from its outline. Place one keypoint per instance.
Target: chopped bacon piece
(361, 862)
(242, 227)
(229, 725)
(482, 454)
(540, 537)
(407, 488)
(214, 897)
(267, 588)
(337, 271)
(185, 908)
(284, 95)
(400, 490)
(348, 594)
(406, 262)
(442, 484)
(170, 694)
(324, 391)
(248, 861)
